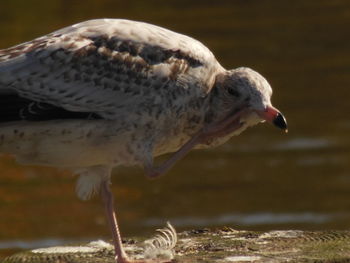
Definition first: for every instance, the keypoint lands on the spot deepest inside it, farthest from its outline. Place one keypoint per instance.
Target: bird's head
(245, 89)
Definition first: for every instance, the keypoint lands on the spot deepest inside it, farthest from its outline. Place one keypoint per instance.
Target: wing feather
(105, 65)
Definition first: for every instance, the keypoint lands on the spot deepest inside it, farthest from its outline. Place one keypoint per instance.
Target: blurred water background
(262, 180)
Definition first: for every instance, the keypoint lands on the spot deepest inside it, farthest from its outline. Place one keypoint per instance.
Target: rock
(222, 245)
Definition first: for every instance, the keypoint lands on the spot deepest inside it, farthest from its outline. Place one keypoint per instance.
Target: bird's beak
(274, 116)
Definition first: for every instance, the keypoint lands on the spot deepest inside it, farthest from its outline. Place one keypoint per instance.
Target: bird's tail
(7, 67)
(12, 60)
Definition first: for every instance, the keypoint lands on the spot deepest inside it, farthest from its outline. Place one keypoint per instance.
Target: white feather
(90, 179)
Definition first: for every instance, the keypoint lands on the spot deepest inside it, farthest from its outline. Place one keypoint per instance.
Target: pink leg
(107, 198)
(154, 172)
(121, 256)
(214, 130)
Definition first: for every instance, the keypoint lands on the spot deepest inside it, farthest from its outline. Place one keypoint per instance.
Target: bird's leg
(154, 172)
(107, 198)
(213, 130)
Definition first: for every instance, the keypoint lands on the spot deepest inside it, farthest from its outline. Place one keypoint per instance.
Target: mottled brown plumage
(108, 92)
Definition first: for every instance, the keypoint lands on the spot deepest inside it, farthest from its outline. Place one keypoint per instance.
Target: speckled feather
(104, 66)
(110, 91)
(113, 68)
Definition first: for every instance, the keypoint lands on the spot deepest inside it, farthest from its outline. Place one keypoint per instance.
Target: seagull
(110, 92)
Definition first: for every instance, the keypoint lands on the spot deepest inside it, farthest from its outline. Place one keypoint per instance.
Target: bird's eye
(233, 92)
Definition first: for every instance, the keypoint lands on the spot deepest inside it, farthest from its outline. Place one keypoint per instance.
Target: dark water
(263, 179)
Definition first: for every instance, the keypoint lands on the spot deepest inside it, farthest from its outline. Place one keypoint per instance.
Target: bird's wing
(104, 65)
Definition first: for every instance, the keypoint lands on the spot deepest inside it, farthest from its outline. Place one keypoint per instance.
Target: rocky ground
(221, 245)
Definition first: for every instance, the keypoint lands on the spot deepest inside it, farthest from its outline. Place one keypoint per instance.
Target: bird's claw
(211, 132)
